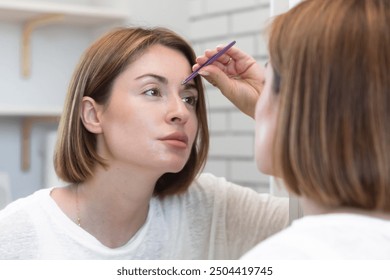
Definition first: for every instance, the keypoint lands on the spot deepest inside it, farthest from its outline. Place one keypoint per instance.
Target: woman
(323, 125)
(131, 143)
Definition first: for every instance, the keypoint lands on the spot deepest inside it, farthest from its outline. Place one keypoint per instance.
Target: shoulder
(218, 193)
(221, 189)
(203, 187)
(286, 244)
(208, 188)
(218, 189)
(211, 185)
(326, 236)
(201, 191)
(209, 181)
(206, 193)
(22, 208)
(17, 227)
(23, 204)
(19, 212)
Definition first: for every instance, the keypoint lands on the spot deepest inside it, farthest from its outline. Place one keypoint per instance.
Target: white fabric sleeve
(17, 234)
(252, 217)
(246, 217)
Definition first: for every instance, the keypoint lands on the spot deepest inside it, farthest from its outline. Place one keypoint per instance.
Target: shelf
(35, 14)
(21, 11)
(29, 116)
(27, 111)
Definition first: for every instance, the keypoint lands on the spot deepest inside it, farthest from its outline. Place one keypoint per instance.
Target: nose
(177, 110)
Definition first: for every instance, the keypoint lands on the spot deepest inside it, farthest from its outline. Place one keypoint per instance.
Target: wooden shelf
(35, 14)
(32, 15)
(29, 116)
(21, 11)
(27, 111)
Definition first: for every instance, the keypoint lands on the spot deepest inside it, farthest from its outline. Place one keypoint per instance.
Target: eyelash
(146, 92)
(190, 100)
(193, 100)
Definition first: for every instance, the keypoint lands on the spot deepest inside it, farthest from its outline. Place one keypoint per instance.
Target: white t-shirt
(214, 219)
(330, 236)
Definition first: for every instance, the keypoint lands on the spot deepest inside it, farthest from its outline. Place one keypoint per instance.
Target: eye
(153, 92)
(190, 100)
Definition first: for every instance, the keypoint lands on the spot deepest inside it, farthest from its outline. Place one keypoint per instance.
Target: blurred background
(42, 41)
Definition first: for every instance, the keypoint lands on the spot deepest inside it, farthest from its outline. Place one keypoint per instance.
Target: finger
(222, 66)
(233, 51)
(204, 58)
(221, 63)
(206, 55)
(236, 54)
(195, 66)
(224, 58)
(218, 78)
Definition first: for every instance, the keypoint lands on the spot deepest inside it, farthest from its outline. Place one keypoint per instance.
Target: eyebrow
(164, 80)
(190, 86)
(161, 79)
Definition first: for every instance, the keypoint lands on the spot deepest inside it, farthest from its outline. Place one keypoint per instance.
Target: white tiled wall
(214, 22)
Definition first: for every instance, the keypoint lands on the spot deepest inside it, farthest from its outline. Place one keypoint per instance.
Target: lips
(176, 139)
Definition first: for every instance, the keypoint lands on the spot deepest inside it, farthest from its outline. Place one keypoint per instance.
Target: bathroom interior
(41, 42)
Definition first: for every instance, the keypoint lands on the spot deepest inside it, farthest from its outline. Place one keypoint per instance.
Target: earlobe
(90, 116)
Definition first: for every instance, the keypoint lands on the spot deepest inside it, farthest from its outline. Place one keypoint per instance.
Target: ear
(90, 115)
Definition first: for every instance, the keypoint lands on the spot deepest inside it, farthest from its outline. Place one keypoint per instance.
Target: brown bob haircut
(331, 62)
(75, 155)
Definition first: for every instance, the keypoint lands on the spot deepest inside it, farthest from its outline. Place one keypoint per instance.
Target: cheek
(192, 129)
(263, 149)
(125, 124)
(265, 130)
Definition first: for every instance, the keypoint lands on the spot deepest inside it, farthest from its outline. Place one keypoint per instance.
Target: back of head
(331, 61)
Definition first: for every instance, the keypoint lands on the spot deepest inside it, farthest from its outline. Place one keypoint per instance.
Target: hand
(237, 75)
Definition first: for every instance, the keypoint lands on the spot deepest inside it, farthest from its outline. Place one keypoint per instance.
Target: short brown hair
(332, 60)
(75, 154)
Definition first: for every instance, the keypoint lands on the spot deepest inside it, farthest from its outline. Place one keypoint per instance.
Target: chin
(173, 167)
(176, 170)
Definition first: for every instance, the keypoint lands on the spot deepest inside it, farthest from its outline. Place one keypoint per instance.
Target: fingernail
(204, 73)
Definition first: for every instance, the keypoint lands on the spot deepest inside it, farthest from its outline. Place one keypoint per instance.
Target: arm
(238, 218)
(237, 75)
(252, 217)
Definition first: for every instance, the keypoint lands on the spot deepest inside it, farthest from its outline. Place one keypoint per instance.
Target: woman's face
(266, 117)
(150, 122)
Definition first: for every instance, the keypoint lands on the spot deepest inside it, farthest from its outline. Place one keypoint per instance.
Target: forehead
(170, 65)
(161, 58)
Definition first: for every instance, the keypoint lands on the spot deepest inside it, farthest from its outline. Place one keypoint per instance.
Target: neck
(114, 204)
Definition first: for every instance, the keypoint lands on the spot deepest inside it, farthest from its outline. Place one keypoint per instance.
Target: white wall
(167, 13)
(55, 51)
